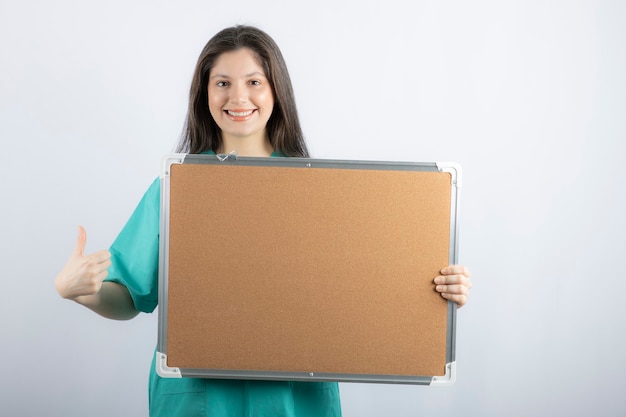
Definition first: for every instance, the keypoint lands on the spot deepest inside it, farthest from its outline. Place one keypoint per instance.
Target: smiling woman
(241, 100)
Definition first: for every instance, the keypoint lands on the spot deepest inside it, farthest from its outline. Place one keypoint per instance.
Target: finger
(93, 279)
(104, 267)
(95, 268)
(81, 241)
(100, 256)
(454, 279)
(99, 278)
(452, 289)
(459, 299)
(93, 285)
(456, 269)
(90, 268)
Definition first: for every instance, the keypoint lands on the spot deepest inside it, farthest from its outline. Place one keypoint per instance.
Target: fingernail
(438, 280)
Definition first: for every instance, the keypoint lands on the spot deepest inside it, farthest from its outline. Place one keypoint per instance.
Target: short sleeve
(135, 252)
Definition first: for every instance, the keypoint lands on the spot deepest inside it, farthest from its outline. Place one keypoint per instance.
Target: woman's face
(240, 96)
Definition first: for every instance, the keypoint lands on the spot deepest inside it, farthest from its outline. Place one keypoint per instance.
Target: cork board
(288, 271)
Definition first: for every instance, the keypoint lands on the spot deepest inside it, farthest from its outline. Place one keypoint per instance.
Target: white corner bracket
(446, 380)
(454, 169)
(169, 160)
(163, 370)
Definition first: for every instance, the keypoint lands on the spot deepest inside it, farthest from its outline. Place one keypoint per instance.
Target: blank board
(305, 269)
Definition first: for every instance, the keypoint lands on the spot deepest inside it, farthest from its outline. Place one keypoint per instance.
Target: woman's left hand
(454, 284)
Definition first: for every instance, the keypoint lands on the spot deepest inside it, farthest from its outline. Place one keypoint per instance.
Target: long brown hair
(201, 133)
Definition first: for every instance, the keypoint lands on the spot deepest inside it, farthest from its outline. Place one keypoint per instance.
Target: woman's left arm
(454, 284)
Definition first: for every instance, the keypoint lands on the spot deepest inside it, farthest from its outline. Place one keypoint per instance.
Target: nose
(238, 93)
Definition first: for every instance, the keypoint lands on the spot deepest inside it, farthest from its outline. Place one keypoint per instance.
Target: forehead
(240, 62)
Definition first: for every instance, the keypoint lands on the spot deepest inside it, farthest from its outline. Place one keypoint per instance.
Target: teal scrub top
(135, 260)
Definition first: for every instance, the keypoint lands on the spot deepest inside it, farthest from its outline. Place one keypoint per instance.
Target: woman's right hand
(82, 274)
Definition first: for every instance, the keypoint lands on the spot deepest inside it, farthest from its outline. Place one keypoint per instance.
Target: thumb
(79, 249)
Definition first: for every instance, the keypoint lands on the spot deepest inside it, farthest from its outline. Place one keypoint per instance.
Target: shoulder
(152, 196)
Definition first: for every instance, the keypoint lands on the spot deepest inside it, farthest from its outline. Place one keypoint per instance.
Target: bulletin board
(306, 269)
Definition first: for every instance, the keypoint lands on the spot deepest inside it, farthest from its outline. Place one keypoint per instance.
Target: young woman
(241, 100)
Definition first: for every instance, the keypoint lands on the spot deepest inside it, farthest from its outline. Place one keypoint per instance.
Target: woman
(241, 100)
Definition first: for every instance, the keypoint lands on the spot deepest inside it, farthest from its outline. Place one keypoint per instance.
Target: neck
(246, 146)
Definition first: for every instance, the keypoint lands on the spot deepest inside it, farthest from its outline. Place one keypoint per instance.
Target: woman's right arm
(82, 280)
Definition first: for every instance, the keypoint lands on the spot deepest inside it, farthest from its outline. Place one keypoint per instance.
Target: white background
(528, 96)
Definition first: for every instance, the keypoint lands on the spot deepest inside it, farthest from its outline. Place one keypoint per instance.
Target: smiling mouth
(240, 113)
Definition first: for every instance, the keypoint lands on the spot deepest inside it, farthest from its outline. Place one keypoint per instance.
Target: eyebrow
(252, 74)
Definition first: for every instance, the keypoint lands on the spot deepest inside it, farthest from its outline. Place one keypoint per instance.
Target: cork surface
(307, 270)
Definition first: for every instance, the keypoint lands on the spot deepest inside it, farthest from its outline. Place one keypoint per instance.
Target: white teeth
(240, 113)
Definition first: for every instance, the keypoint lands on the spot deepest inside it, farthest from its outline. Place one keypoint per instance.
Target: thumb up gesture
(82, 274)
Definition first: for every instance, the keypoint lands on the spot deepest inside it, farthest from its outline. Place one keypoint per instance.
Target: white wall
(529, 96)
